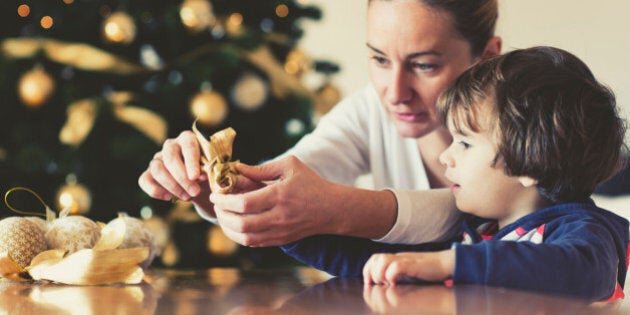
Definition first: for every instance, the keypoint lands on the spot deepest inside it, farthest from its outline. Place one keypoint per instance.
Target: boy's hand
(396, 268)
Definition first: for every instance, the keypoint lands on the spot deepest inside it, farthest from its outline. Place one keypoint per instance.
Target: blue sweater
(574, 249)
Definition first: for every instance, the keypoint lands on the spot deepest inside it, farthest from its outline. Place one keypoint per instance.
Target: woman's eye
(464, 144)
(380, 60)
(423, 67)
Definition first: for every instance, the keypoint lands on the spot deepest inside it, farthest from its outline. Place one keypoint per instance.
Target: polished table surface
(297, 290)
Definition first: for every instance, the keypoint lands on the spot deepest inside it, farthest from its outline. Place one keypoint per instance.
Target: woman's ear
(527, 181)
(493, 47)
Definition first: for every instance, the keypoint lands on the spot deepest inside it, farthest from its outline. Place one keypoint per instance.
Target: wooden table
(287, 291)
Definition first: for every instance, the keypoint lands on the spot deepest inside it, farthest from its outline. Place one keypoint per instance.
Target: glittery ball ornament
(21, 239)
(137, 234)
(72, 233)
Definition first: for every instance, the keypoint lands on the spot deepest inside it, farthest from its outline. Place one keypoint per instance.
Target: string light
(68, 1)
(282, 10)
(24, 10)
(46, 22)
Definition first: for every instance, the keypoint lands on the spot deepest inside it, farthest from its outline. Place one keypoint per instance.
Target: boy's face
(481, 188)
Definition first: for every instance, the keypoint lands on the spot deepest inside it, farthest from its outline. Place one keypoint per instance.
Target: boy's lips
(454, 188)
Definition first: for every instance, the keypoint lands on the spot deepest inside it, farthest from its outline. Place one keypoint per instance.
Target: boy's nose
(445, 158)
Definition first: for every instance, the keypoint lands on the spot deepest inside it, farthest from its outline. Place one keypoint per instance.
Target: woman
(389, 129)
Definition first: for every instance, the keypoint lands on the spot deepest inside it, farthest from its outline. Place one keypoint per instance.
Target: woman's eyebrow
(410, 56)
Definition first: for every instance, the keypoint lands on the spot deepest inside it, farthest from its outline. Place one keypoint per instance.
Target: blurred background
(89, 90)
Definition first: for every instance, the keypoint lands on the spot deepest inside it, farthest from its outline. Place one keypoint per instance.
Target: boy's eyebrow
(410, 56)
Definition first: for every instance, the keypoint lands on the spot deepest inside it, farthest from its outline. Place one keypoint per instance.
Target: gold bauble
(297, 63)
(35, 87)
(209, 107)
(219, 244)
(250, 92)
(21, 240)
(72, 233)
(197, 15)
(326, 98)
(75, 196)
(119, 28)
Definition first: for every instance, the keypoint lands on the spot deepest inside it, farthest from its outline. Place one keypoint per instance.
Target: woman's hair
(474, 20)
(550, 119)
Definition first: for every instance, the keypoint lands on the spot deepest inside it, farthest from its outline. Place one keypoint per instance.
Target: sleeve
(424, 217)
(337, 148)
(578, 259)
(345, 256)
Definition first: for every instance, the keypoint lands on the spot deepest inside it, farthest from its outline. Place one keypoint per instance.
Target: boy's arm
(345, 256)
(580, 259)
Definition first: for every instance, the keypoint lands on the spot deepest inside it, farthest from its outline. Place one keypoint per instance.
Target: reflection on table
(286, 291)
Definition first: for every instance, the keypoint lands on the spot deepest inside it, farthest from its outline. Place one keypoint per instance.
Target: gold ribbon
(82, 115)
(81, 56)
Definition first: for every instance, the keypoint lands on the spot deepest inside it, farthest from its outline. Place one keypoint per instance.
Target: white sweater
(355, 138)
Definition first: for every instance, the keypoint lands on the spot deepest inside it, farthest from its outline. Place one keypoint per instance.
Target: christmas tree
(92, 88)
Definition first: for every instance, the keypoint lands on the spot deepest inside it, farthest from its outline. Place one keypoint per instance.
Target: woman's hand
(399, 267)
(175, 171)
(294, 202)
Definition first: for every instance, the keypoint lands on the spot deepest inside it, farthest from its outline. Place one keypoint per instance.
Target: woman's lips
(409, 117)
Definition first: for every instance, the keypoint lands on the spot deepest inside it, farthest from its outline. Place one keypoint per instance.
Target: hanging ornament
(326, 97)
(197, 15)
(297, 63)
(75, 196)
(234, 24)
(219, 244)
(119, 28)
(250, 92)
(35, 87)
(209, 107)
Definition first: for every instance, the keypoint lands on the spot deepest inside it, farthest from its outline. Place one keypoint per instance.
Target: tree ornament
(197, 15)
(219, 244)
(137, 234)
(35, 87)
(250, 92)
(234, 24)
(21, 239)
(326, 97)
(74, 196)
(209, 107)
(119, 28)
(297, 63)
(72, 233)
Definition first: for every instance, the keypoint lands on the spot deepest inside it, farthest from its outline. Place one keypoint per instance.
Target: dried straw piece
(91, 267)
(217, 152)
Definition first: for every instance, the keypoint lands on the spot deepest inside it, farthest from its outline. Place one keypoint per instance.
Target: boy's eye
(464, 144)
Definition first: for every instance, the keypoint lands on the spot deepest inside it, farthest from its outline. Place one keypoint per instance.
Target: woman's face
(414, 54)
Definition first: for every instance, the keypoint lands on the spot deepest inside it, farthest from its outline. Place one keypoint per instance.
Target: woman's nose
(399, 90)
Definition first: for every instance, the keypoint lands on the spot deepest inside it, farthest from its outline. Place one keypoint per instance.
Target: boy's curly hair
(551, 121)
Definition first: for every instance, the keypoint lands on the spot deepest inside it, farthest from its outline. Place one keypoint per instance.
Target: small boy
(533, 134)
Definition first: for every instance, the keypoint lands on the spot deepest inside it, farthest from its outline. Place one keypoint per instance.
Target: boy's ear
(493, 47)
(527, 181)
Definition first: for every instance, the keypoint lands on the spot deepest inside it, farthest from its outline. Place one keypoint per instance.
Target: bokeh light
(24, 10)
(282, 10)
(46, 22)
